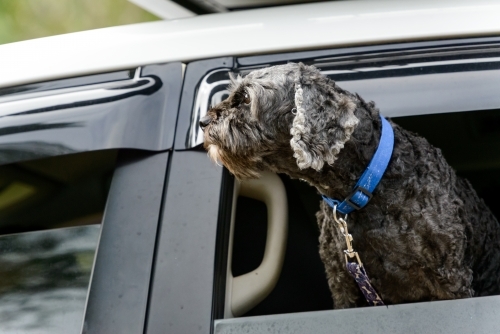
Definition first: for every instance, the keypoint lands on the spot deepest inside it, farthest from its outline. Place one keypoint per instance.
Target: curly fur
(425, 235)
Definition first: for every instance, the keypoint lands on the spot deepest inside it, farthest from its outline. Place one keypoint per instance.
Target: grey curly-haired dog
(425, 235)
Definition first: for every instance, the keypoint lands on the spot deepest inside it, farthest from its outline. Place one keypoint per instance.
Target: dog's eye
(247, 99)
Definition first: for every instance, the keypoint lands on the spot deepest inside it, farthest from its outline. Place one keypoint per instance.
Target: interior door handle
(246, 291)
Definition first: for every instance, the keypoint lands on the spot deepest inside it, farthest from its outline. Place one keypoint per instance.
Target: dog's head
(290, 110)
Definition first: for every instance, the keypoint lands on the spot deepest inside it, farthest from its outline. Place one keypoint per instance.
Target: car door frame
(180, 306)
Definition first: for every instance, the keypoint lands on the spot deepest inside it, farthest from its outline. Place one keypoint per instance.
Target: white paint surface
(267, 30)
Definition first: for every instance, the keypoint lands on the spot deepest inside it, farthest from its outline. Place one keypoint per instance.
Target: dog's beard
(239, 151)
(238, 166)
(213, 154)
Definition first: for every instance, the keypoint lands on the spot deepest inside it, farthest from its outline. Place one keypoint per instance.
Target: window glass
(50, 211)
(44, 279)
(56, 192)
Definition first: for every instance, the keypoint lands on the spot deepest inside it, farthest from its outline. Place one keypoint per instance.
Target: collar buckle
(355, 191)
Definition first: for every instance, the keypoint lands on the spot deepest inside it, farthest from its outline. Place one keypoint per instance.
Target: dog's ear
(324, 119)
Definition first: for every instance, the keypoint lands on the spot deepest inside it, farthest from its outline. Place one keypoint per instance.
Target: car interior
(469, 145)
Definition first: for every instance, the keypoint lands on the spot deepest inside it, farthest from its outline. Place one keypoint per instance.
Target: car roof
(259, 31)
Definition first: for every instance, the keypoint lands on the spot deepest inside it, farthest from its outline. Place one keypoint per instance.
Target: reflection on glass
(44, 278)
(14, 193)
(64, 191)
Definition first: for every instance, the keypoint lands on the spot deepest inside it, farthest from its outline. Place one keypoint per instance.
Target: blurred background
(27, 19)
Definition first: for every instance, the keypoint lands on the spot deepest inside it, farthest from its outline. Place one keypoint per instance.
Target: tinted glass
(55, 192)
(50, 211)
(44, 279)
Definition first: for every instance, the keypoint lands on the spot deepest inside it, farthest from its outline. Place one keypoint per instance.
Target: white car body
(268, 30)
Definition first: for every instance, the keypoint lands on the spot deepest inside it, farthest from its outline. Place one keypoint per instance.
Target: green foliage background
(27, 19)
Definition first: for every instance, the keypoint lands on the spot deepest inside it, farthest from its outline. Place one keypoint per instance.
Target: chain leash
(356, 270)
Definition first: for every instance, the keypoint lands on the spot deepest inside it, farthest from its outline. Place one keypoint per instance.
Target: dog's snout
(204, 121)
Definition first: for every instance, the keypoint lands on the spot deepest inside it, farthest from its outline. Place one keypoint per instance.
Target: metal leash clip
(349, 253)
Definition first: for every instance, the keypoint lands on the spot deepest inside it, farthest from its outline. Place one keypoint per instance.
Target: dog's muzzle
(204, 121)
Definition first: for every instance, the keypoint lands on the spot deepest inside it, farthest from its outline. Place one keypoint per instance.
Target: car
(114, 220)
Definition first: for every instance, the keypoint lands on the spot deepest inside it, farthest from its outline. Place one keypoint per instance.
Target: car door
(444, 90)
(84, 164)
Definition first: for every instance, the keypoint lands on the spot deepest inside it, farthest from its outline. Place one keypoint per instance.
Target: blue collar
(372, 175)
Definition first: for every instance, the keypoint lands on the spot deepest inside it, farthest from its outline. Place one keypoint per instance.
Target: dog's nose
(204, 121)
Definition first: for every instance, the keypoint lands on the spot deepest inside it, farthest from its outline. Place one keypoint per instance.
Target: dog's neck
(337, 180)
(354, 158)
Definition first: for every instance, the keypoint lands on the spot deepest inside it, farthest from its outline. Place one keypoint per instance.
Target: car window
(45, 277)
(470, 145)
(424, 90)
(50, 215)
(55, 192)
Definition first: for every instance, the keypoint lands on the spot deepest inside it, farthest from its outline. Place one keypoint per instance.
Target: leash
(359, 198)
(356, 270)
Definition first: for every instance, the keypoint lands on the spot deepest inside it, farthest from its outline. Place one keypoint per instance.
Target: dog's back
(425, 235)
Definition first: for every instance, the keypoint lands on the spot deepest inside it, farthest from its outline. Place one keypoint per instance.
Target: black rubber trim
(222, 245)
(274, 59)
(195, 71)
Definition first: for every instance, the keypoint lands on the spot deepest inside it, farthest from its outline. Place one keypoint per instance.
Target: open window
(446, 92)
